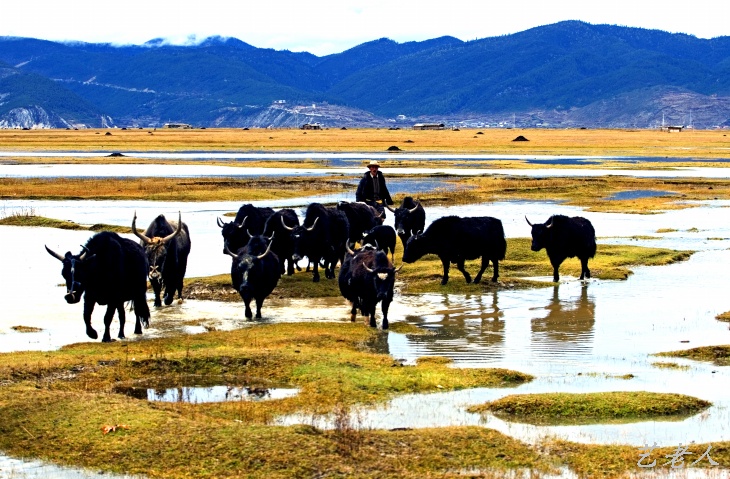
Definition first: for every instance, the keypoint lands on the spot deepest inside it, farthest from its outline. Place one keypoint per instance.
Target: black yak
(167, 245)
(564, 237)
(255, 272)
(410, 218)
(454, 240)
(322, 235)
(283, 245)
(382, 237)
(109, 271)
(249, 220)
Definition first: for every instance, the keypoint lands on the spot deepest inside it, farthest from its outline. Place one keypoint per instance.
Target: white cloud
(330, 26)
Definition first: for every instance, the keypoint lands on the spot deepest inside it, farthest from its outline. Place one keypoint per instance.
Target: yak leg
(169, 294)
(495, 263)
(585, 273)
(259, 303)
(385, 306)
(88, 309)
(249, 313)
(446, 264)
(460, 267)
(485, 264)
(353, 312)
(373, 324)
(122, 320)
(108, 316)
(157, 288)
(315, 267)
(556, 266)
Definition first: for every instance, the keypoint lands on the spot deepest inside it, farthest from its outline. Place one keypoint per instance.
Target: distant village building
(280, 102)
(672, 129)
(183, 126)
(429, 126)
(311, 126)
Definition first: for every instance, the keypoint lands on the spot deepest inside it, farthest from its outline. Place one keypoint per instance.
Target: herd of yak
(265, 244)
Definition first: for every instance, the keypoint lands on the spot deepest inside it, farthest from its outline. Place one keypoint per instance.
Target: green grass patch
(55, 404)
(719, 355)
(33, 220)
(592, 408)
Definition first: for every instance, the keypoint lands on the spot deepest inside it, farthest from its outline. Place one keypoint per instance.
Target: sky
(323, 27)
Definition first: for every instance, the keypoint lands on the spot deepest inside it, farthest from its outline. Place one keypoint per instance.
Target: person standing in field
(372, 189)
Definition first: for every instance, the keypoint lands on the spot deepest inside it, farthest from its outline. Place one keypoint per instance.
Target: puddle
(12, 468)
(637, 194)
(197, 394)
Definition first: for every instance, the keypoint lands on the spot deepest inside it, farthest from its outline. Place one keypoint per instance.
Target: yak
(367, 278)
(255, 272)
(167, 245)
(322, 235)
(109, 271)
(454, 240)
(283, 245)
(360, 216)
(410, 218)
(382, 237)
(249, 220)
(563, 238)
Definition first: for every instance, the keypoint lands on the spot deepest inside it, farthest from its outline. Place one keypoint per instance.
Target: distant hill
(566, 74)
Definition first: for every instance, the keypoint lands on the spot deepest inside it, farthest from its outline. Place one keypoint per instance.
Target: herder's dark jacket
(365, 189)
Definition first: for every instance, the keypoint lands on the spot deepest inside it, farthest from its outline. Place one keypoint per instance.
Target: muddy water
(573, 337)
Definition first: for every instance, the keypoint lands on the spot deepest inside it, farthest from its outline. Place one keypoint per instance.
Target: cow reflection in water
(568, 321)
(466, 327)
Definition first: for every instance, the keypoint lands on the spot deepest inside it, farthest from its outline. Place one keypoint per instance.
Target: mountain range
(568, 74)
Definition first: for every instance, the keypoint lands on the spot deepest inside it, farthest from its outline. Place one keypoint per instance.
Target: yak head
(403, 221)
(540, 234)
(382, 275)
(301, 237)
(75, 272)
(416, 247)
(247, 259)
(156, 247)
(235, 235)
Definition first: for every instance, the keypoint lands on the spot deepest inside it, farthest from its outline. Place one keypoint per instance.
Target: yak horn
(313, 224)
(243, 222)
(221, 224)
(270, 238)
(284, 224)
(54, 254)
(368, 269)
(388, 206)
(137, 233)
(177, 231)
(550, 224)
(528, 221)
(347, 247)
(228, 252)
(261, 256)
(399, 267)
(411, 210)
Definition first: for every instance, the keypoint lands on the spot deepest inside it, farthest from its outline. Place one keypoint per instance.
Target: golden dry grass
(688, 144)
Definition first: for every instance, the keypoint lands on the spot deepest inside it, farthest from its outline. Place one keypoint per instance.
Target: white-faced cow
(167, 246)
(109, 271)
(255, 272)
(249, 220)
(563, 238)
(322, 235)
(454, 240)
(410, 218)
(367, 278)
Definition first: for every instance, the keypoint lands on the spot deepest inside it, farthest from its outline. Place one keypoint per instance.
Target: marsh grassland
(64, 406)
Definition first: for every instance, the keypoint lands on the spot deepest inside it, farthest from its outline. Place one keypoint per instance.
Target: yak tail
(142, 311)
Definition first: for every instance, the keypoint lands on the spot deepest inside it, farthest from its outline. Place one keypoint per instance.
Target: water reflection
(567, 327)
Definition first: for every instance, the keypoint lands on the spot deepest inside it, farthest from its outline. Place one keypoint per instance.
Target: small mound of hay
(115, 154)
(520, 138)
(480, 133)
(343, 128)
(408, 141)
(394, 148)
(107, 133)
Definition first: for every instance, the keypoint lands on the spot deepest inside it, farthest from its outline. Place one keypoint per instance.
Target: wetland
(369, 403)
